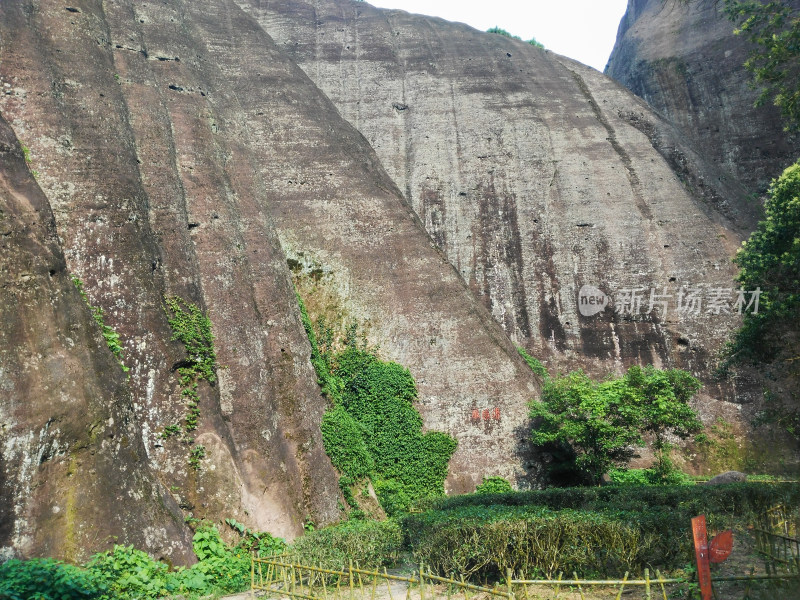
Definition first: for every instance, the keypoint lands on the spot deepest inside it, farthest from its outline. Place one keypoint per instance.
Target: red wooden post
(486, 414)
(496, 413)
(476, 415)
(701, 554)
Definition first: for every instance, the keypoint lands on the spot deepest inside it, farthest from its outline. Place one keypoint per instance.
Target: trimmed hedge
(595, 531)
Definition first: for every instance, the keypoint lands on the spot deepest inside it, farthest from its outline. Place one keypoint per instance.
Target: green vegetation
(649, 477)
(125, 573)
(595, 531)
(601, 423)
(46, 579)
(493, 485)
(770, 261)
(192, 328)
(534, 363)
(501, 31)
(111, 337)
(368, 543)
(774, 29)
(372, 428)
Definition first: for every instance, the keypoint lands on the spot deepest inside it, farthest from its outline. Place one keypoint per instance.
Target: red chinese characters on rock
(487, 414)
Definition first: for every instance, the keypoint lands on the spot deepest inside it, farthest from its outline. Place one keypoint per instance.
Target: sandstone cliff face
(185, 154)
(685, 61)
(72, 463)
(535, 176)
(450, 190)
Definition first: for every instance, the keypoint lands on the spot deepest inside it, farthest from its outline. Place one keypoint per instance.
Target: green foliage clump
(774, 29)
(368, 543)
(372, 429)
(593, 530)
(493, 485)
(197, 454)
(125, 573)
(109, 335)
(603, 422)
(192, 327)
(649, 477)
(770, 261)
(503, 32)
(534, 363)
(46, 579)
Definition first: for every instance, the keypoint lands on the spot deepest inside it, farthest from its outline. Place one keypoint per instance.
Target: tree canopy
(770, 261)
(603, 422)
(774, 29)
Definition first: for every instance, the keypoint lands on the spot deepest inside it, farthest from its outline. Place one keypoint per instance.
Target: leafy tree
(774, 28)
(770, 261)
(604, 422)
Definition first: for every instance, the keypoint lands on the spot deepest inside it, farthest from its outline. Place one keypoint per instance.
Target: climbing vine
(192, 328)
(372, 428)
(111, 337)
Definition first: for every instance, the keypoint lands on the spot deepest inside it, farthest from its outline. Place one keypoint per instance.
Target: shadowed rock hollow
(451, 190)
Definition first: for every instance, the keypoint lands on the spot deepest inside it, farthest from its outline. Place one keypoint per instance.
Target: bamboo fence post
(647, 584)
(360, 581)
(466, 590)
(351, 579)
(580, 589)
(421, 581)
(388, 586)
(294, 581)
(508, 583)
(270, 572)
(661, 583)
(324, 584)
(558, 586)
(252, 572)
(374, 585)
(622, 586)
(525, 587)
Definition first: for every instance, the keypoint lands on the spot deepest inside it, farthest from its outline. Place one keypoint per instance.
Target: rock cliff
(685, 61)
(450, 190)
(535, 175)
(183, 153)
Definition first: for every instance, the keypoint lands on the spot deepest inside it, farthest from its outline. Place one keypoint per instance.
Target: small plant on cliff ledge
(197, 454)
(111, 337)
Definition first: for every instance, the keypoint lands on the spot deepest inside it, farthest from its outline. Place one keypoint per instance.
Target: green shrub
(493, 485)
(534, 363)
(129, 573)
(46, 579)
(368, 543)
(649, 477)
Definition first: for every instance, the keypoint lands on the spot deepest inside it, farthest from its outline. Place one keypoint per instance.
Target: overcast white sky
(581, 29)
